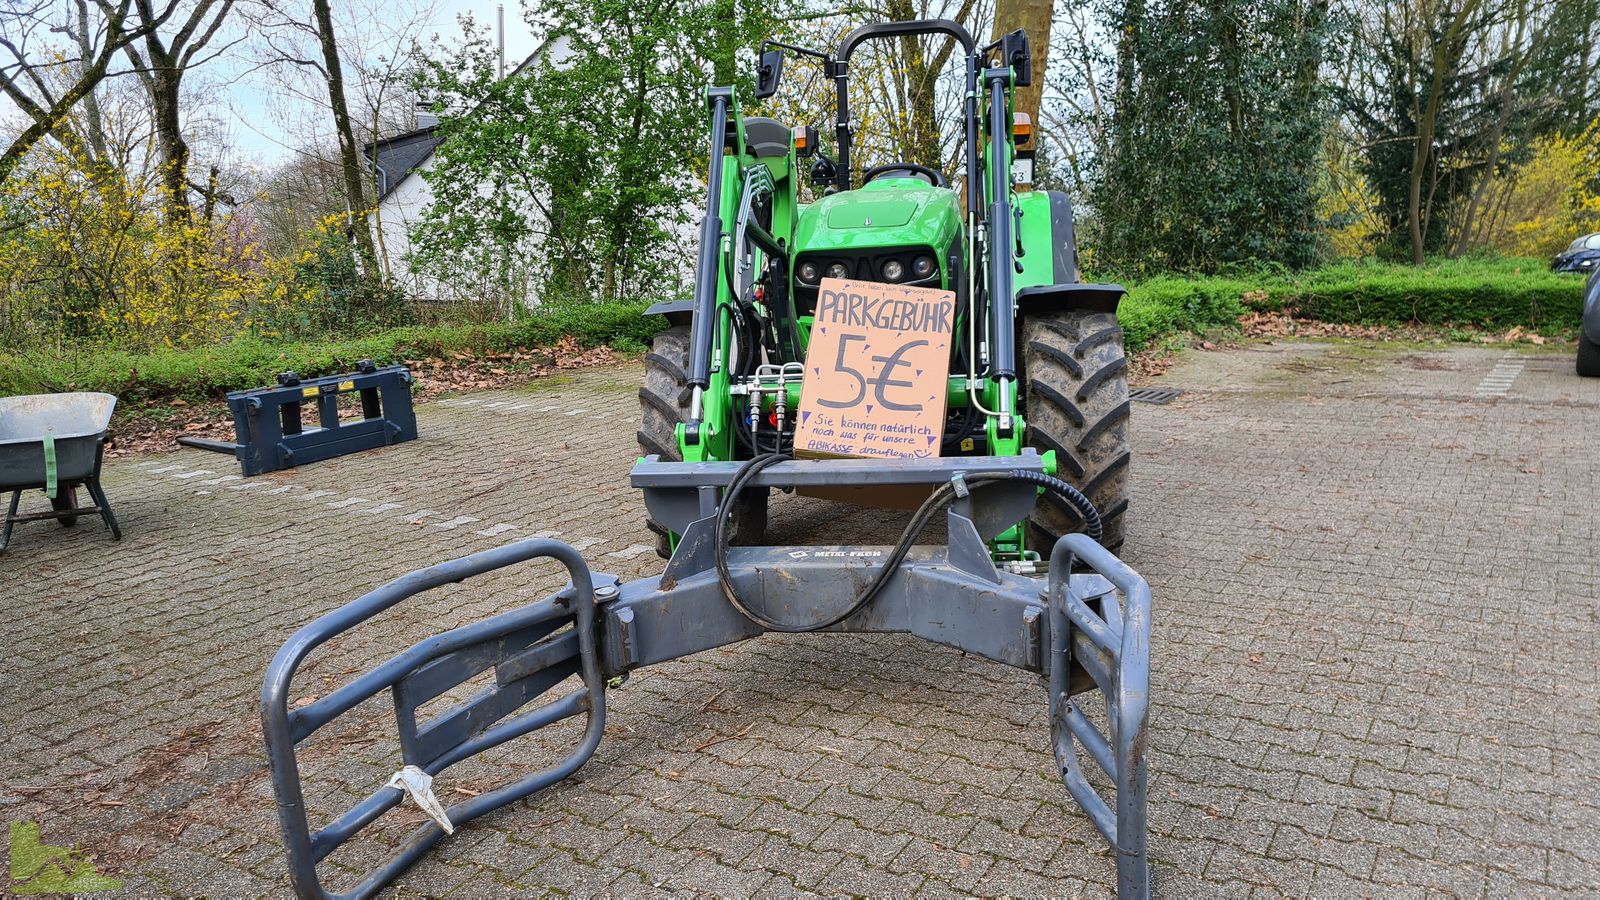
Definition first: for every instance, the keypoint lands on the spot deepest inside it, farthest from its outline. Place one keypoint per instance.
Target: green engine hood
(886, 212)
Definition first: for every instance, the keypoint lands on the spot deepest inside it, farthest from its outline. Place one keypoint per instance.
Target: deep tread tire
(1588, 357)
(663, 403)
(1075, 379)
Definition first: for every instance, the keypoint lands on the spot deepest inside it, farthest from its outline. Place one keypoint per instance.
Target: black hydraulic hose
(919, 520)
(1092, 526)
(702, 327)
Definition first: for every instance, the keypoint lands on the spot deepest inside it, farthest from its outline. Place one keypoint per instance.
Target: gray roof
(399, 155)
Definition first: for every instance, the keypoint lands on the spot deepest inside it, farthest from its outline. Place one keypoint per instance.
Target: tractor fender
(1049, 279)
(678, 312)
(1046, 298)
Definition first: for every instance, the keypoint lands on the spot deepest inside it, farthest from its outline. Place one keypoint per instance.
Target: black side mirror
(1016, 52)
(770, 73)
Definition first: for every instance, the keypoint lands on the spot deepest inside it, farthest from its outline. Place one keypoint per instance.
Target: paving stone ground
(1376, 668)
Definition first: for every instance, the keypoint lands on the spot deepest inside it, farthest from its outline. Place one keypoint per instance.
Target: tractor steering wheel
(934, 178)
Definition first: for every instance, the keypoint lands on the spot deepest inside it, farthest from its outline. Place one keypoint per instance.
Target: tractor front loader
(1030, 474)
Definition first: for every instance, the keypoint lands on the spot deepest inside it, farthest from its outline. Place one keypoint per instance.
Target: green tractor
(1036, 358)
(1031, 474)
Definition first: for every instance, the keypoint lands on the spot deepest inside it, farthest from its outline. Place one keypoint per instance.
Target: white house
(403, 194)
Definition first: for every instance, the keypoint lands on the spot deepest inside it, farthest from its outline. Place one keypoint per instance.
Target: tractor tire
(1076, 403)
(663, 403)
(1588, 357)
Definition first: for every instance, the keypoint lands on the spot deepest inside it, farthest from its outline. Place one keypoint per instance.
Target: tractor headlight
(922, 266)
(894, 270)
(808, 272)
(838, 270)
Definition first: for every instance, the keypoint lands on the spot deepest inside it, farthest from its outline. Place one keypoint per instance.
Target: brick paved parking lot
(1376, 668)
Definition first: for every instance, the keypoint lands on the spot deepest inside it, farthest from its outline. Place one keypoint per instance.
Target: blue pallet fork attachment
(1085, 629)
(270, 434)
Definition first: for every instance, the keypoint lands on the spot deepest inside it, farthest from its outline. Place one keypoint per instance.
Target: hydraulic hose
(941, 496)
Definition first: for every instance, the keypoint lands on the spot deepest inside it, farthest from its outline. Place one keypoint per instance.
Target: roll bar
(900, 29)
(838, 68)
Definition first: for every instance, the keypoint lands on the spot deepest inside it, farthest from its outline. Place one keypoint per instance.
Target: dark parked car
(1589, 334)
(1582, 255)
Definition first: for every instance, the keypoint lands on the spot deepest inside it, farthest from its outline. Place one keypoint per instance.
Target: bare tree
(162, 64)
(347, 67)
(34, 76)
(1075, 114)
(349, 158)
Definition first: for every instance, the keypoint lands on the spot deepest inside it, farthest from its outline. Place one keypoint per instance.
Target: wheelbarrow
(55, 442)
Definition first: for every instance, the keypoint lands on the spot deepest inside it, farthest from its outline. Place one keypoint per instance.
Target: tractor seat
(766, 137)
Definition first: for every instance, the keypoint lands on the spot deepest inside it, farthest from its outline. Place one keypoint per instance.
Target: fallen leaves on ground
(1149, 364)
(148, 432)
(1277, 324)
(1281, 324)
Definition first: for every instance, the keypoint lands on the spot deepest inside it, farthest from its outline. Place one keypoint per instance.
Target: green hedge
(208, 372)
(1159, 307)
(1492, 293)
(1495, 293)
(1487, 293)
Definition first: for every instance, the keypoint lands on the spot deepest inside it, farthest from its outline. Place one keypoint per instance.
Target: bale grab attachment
(1078, 631)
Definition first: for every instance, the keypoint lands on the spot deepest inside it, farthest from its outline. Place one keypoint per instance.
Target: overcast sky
(254, 129)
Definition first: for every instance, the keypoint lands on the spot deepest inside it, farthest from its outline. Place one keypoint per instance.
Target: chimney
(500, 39)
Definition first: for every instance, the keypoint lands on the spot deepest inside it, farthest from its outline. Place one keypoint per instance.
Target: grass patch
(201, 373)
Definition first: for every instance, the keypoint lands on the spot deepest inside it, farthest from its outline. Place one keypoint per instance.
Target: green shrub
(1164, 306)
(1487, 292)
(208, 372)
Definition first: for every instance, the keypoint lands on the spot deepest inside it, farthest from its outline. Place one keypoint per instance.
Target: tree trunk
(162, 73)
(1033, 16)
(209, 210)
(164, 96)
(380, 243)
(1446, 56)
(349, 156)
(46, 121)
(94, 123)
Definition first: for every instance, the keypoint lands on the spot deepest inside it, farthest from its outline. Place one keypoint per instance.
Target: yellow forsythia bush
(87, 258)
(1551, 198)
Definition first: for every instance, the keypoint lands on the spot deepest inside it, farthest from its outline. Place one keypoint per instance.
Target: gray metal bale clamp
(1078, 630)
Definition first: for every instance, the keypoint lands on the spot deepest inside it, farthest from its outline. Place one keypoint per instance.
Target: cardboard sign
(876, 371)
